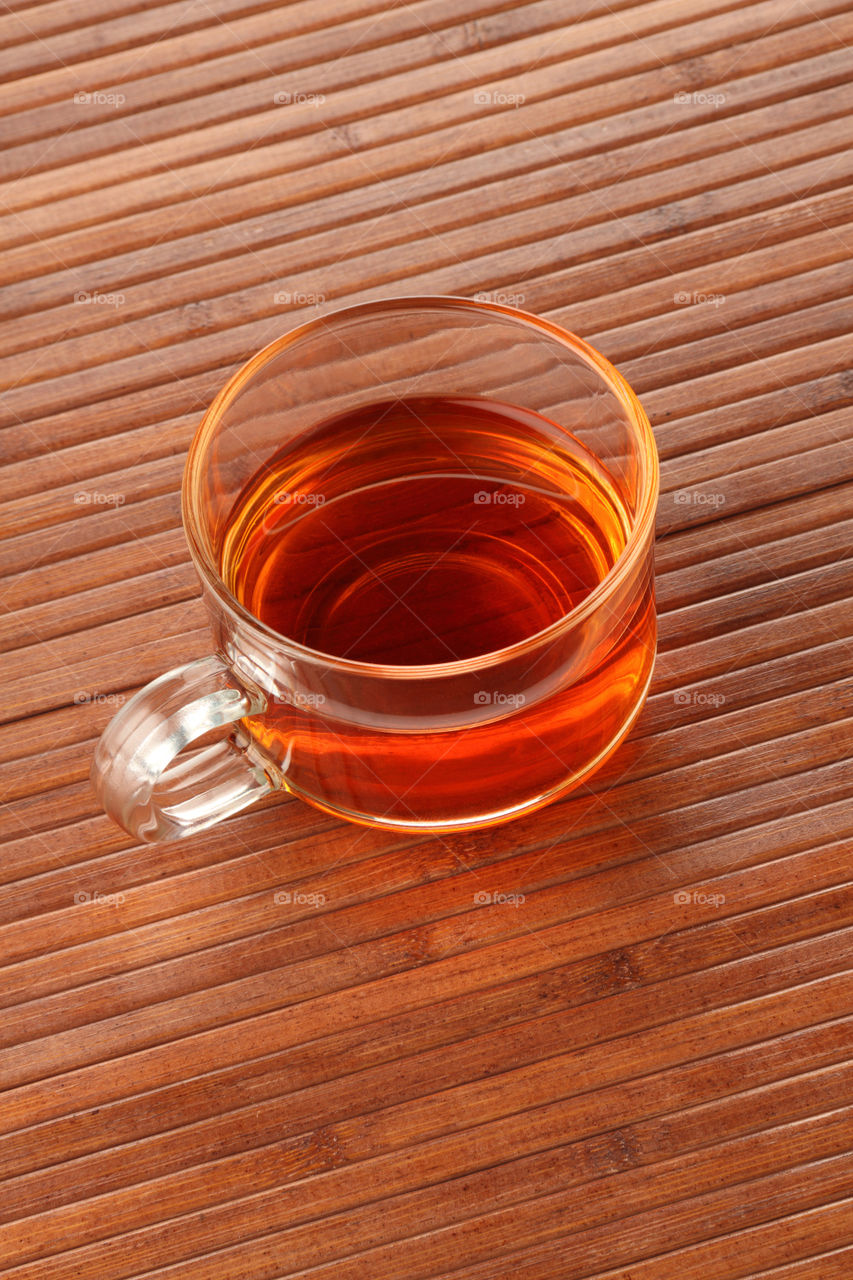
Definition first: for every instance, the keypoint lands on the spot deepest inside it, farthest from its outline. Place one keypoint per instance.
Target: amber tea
(435, 530)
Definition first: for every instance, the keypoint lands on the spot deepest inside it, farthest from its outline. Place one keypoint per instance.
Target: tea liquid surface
(463, 550)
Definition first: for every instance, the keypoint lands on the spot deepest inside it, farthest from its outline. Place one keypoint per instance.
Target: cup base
(496, 817)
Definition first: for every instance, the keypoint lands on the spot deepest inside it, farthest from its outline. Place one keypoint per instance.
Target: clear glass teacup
(424, 533)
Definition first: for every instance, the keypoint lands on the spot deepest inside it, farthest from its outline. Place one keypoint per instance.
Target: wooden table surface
(638, 1072)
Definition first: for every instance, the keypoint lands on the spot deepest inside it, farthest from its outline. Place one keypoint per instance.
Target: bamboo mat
(638, 1072)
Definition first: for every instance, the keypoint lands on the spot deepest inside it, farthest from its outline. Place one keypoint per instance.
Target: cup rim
(625, 561)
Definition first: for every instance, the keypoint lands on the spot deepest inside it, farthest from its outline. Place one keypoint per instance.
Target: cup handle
(133, 774)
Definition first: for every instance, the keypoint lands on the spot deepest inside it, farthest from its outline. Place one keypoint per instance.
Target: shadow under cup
(424, 531)
(473, 739)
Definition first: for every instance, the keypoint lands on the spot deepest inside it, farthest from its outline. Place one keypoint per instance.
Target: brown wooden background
(640, 1071)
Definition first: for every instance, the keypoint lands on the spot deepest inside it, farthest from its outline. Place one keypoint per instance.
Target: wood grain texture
(641, 1072)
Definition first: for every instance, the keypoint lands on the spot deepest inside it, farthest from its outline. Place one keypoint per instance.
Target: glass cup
(436, 746)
